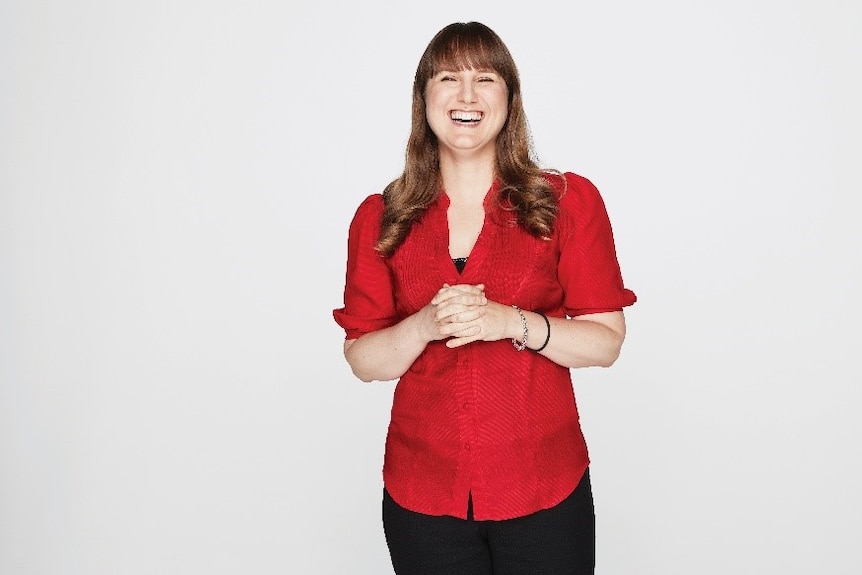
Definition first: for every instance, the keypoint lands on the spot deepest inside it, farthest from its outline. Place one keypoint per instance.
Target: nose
(466, 93)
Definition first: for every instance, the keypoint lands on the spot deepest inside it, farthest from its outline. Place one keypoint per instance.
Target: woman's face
(466, 109)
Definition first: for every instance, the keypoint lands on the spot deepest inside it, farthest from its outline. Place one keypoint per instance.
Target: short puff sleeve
(369, 304)
(588, 268)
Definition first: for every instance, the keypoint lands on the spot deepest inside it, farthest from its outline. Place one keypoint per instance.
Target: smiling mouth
(463, 117)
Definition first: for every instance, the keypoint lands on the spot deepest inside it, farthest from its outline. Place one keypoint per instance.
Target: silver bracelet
(520, 345)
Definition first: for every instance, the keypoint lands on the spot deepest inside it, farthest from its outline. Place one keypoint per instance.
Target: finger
(459, 313)
(445, 293)
(465, 330)
(469, 288)
(458, 326)
(464, 288)
(458, 341)
(460, 299)
(456, 296)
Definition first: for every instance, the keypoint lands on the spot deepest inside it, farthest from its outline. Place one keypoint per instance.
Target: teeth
(463, 116)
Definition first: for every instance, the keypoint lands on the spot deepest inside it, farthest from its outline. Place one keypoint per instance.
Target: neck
(466, 181)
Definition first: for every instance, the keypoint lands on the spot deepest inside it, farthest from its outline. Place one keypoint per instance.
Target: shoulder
(573, 189)
(371, 204)
(580, 201)
(575, 193)
(367, 218)
(369, 210)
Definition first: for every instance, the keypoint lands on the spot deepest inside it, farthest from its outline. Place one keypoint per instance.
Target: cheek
(430, 115)
(436, 108)
(502, 99)
(434, 100)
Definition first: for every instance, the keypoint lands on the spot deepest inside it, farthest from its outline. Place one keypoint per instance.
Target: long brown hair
(524, 188)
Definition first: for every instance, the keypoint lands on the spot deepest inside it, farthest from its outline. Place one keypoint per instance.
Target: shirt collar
(494, 208)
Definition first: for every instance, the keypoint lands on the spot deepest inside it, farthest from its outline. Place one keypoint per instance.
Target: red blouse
(484, 419)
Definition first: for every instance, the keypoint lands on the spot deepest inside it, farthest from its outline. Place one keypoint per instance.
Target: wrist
(547, 338)
(425, 326)
(519, 341)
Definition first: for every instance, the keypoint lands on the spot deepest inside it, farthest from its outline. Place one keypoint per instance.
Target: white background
(176, 182)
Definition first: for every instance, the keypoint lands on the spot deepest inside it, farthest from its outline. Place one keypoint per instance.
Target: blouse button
(467, 446)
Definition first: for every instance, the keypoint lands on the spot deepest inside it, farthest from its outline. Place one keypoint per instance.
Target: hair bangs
(465, 53)
(467, 46)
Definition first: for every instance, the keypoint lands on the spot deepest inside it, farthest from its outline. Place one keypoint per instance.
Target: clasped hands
(463, 314)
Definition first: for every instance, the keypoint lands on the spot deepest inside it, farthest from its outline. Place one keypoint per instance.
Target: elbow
(363, 377)
(370, 376)
(602, 338)
(355, 362)
(612, 354)
(368, 365)
(364, 372)
(356, 367)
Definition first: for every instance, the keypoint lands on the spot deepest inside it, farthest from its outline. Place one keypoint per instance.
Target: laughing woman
(478, 280)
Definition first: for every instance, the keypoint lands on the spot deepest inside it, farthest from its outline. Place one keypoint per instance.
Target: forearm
(585, 341)
(385, 354)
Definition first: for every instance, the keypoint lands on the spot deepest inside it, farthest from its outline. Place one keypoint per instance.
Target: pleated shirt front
(485, 420)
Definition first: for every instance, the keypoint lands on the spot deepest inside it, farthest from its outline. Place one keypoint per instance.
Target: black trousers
(556, 541)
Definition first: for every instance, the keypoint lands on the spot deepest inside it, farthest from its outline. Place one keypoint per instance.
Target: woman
(478, 279)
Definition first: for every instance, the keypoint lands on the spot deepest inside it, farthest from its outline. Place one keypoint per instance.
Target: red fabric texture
(484, 418)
